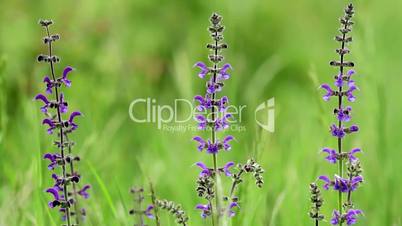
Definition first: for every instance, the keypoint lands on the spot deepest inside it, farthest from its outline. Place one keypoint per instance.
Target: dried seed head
(174, 209)
(316, 201)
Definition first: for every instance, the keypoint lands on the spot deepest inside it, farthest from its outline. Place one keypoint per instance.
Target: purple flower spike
(148, 212)
(64, 79)
(332, 155)
(44, 99)
(227, 167)
(83, 192)
(215, 118)
(351, 155)
(205, 170)
(66, 196)
(351, 216)
(326, 180)
(49, 84)
(202, 143)
(329, 93)
(205, 210)
(204, 69)
(226, 141)
(348, 165)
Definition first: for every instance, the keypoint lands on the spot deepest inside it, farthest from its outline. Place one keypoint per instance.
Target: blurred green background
(124, 50)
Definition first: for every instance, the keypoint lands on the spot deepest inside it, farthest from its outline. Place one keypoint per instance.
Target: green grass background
(124, 50)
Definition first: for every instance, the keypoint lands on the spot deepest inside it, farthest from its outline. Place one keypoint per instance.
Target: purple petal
(73, 115)
(67, 70)
(54, 192)
(148, 212)
(227, 167)
(42, 98)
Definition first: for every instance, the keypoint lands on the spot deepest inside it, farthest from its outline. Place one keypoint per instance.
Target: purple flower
(83, 192)
(351, 153)
(329, 93)
(222, 123)
(351, 215)
(223, 74)
(343, 114)
(327, 181)
(71, 120)
(332, 155)
(232, 205)
(148, 212)
(205, 210)
(204, 103)
(58, 182)
(64, 79)
(62, 104)
(50, 123)
(44, 99)
(202, 122)
(56, 198)
(336, 217)
(337, 132)
(49, 84)
(354, 183)
(349, 93)
(227, 167)
(205, 171)
(222, 103)
(353, 129)
(339, 80)
(202, 143)
(53, 158)
(341, 184)
(213, 87)
(226, 141)
(212, 148)
(204, 69)
(349, 75)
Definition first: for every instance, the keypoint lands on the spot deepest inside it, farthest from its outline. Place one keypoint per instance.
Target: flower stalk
(65, 190)
(213, 116)
(345, 212)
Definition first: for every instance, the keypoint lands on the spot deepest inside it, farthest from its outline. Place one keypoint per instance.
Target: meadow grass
(124, 50)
